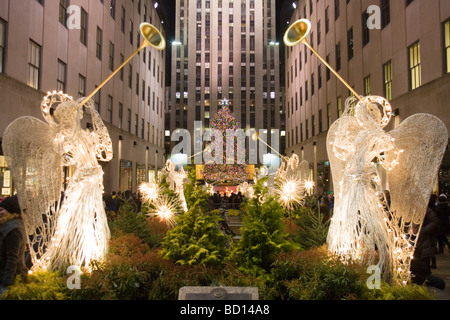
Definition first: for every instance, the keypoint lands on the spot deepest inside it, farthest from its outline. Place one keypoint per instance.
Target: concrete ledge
(218, 293)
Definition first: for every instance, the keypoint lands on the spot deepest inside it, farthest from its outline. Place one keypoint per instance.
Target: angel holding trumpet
(75, 230)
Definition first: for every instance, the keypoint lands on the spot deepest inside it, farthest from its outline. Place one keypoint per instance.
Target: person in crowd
(138, 201)
(13, 243)
(425, 250)
(330, 204)
(110, 203)
(128, 196)
(443, 213)
(119, 200)
(432, 204)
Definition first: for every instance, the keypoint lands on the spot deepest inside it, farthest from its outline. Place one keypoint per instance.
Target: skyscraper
(224, 49)
(395, 49)
(72, 46)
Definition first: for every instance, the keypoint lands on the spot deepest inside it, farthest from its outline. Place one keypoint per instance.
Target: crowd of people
(432, 239)
(115, 200)
(232, 201)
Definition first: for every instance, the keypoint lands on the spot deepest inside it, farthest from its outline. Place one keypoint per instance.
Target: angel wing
(32, 156)
(422, 138)
(303, 170)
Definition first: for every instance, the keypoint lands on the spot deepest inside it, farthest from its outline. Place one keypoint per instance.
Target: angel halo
(365, 225)
(65, 227)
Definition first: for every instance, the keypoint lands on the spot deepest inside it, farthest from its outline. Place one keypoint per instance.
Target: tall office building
(225, 49)
(72, 46)
(397, 49)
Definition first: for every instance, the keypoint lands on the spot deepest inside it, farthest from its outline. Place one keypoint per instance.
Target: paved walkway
(442, 271)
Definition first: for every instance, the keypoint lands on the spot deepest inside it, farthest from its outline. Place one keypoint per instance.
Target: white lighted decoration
(165, 210)
(365, 226)
(176, 176)
(247, 190)
(291, 181)
(149, 191)
(65, 227)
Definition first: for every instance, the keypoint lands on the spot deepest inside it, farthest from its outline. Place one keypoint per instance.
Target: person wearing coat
(443, 213)
(425, 251)
(13, 242)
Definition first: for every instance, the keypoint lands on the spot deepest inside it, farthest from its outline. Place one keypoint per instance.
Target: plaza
(130, 127)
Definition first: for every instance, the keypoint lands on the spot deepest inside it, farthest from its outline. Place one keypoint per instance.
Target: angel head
(374, 108)
(67, 113)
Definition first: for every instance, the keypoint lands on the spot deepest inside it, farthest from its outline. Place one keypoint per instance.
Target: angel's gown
(176, 178)
(82, 231)
(359, 226)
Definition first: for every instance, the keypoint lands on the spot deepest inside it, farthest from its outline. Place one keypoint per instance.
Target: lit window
(388, 80)
(367, 86)
(414, 66)
(2, 45)
(34, 61)
(447, 46)
(339, 106)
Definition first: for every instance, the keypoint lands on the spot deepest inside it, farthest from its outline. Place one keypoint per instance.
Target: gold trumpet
(296, 33)
(152, 37)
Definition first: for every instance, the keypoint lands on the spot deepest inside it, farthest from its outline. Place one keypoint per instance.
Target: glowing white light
(165, 210)
(76, 232)
(149, 191)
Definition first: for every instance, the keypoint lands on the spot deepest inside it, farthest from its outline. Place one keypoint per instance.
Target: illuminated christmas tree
(224, 173)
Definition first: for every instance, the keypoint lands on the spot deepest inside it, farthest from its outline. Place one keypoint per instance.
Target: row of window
(384, 6)
(415, 81)
(302, 133)
(34, 66)
(414, 65)
(385, 19)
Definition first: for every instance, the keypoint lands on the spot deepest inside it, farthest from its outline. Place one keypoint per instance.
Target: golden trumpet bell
(297, 32)
(152, 36)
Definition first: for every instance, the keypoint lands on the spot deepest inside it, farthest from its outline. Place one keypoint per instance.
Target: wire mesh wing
(30, 149)
(422, 140)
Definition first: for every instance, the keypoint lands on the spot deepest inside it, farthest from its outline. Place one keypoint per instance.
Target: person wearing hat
(13, 241)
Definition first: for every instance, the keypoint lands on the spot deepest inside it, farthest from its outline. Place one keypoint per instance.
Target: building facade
(73, 46)
(396, 49)
(225, 49)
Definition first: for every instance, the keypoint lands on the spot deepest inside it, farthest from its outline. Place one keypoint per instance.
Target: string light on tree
(216, 172)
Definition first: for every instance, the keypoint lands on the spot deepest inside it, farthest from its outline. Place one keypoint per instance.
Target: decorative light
(176, 176)
(76, 232)
(223, 120)
(149, 191)
(362, 219)
(165, 210)
(290, 191)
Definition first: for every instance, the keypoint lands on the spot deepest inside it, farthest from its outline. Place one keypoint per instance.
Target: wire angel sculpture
(176, 176)
(65, 227)
(291, 181)
(365, 225)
